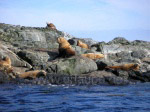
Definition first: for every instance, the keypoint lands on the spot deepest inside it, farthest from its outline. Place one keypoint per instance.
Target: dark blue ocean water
(51, 98)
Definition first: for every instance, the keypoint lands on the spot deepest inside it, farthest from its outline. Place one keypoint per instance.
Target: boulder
(72, 66)
(4, 78)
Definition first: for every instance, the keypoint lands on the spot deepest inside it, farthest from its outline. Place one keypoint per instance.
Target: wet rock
(116, 81)
(146, 76)
(4, 78)
(100, 74)
(138, 76)
(121, 73)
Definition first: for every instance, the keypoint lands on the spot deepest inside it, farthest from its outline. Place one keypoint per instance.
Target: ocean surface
(52, 98)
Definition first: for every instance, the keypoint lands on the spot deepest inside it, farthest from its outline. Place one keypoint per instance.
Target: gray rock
(146, 60)
(37, 58)
(139, 54)
(121, 73)
(88, 41)
(4, 78)
(72, 66)
(119, 40)
(29, 36)
(67, 36)
(116, 81)
(80, 50)
(100, 74)
(138, 76)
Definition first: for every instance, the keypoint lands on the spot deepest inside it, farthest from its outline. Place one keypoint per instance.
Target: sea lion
(93, 55)
(82, 45)
(126, 67)
(32, 74)
(51, 26)
(65, 49)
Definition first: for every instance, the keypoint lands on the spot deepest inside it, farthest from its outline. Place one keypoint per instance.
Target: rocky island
(36, 48)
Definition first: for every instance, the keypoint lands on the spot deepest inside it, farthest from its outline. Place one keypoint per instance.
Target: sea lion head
(41, 73)
(61, 40)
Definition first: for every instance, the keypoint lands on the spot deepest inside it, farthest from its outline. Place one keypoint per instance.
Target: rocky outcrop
(33, 48)
(30, 37)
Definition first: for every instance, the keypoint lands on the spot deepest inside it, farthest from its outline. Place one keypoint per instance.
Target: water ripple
(36, 98)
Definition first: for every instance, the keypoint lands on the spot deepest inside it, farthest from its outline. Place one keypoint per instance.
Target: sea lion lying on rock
(65, 49)
(93, 55)
(126, 67)
(82, 45)
(51, 26)
(32, 74)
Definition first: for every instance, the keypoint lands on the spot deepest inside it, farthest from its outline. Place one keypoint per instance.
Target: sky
(101, 20)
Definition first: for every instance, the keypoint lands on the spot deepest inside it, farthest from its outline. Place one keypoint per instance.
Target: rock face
(30, 37)
(31, 48)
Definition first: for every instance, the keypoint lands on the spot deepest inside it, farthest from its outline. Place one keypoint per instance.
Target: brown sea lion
(51, 26)
(82, 45)
(32, 74)
(93, 55)
(65, 49)
(126, 67)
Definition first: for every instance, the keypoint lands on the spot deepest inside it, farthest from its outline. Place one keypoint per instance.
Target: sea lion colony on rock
(5, 66)
(65, 50)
